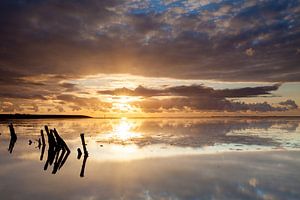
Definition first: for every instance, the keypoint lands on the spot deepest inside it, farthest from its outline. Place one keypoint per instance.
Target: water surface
(206, 158)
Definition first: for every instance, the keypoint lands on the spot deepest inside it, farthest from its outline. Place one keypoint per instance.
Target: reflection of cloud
(178, 132)
(194, 133)
(186, 177)
(253, 182)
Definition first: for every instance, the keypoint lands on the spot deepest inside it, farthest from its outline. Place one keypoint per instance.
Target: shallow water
(207, 158)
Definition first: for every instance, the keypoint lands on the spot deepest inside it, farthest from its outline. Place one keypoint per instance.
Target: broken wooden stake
(58, 150)
(84, 144)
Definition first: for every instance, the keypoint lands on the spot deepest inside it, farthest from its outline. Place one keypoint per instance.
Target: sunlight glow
(122, 103)
(123, 130)
(122, 133)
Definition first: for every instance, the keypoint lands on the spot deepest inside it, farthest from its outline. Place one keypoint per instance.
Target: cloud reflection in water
(158, 159)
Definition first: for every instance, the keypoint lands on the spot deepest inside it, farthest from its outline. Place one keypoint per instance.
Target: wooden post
(47, 129)
(12, 131)
(83, 144)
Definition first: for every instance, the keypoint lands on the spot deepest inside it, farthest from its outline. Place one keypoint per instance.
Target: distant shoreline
(200, 117)
(33, 116)
(40, 116)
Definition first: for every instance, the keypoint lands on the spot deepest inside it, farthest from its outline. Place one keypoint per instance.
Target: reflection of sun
(123, 131)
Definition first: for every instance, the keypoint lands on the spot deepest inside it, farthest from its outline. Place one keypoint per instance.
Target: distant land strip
(213, 116)
(33, 116)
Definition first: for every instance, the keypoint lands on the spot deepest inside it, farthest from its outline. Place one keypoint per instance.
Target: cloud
(193, 90)
(60, 108)
(247, 91)
(69, 87)
(75, 108)
(289, 103)
(205, 104)
(201, 98)
(7, 106)
(205, 40)
(79, 103)
(250, 52)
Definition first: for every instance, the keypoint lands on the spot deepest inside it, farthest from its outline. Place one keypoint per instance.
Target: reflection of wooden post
(83, 144)
(60, 142)
(58, 150)
(13, 138)
(83, 165)
(43, 138)
(42, 152)
(79, 153)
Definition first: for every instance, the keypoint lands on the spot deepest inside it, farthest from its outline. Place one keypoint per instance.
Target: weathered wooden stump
(84, 144)
(13, 138)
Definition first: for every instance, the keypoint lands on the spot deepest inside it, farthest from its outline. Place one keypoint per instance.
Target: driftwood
(58, 150)
(13, 138)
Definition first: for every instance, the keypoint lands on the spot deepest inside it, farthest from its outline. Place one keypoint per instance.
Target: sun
(122, 103)
(124, 107)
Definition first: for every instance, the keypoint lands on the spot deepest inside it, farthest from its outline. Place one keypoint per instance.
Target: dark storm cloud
(221, 40)
(201, 98)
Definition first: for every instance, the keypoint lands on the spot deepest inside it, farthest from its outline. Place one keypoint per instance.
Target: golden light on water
(123, 131)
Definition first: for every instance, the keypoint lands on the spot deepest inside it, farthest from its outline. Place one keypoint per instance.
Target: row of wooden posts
(58, 150)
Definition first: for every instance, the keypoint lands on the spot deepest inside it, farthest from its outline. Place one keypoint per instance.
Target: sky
(150, 58)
